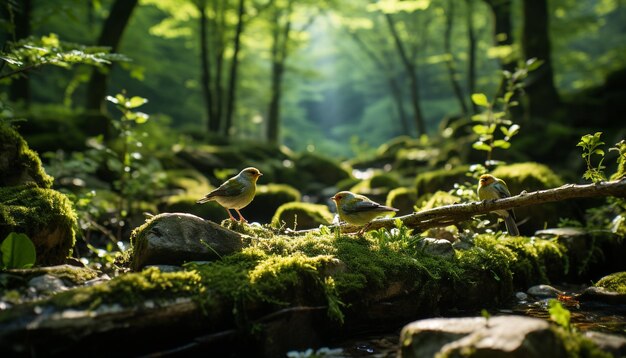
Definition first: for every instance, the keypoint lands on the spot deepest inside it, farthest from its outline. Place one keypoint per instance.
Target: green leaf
(599, 152)
(135, 102)
(481, 146)
(507, 96)
(513, 130)
(112, 99)
(141, 117)
(559, 314)
(480, 99)
(501, 144)
(481, 117)
(480, 129)
(18, 251)
(533, 64)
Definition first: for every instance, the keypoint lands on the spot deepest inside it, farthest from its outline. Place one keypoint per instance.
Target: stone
(437, 247)
(47, 284)
(500, 336)
(616, 345)
(543, 291)
(176, 238)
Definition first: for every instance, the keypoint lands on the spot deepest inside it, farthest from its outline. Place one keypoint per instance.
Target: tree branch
(451, 214)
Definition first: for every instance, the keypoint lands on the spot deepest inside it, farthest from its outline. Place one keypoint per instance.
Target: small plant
(497, 113)
(591, 146)
(18, 251)
(559, 314)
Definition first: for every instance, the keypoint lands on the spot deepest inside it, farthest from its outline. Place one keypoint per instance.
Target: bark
(110, 36)
(450, 63)
(232, 83)
(412, 74)
(471, 55)
(279, 55)
(502, 33)
(451, 214)
(19, 89)
(543, 98)
(205, 69)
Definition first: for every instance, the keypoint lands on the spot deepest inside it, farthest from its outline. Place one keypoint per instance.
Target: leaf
(559, 314)
(135, 102)
(513, 130)
(112, 99)
(480, 99)
(480, 129)
(501, 144)
(533, 64)
(141, 117)
(481, 117)
(599, 152)
(18, 251)
(481, 146)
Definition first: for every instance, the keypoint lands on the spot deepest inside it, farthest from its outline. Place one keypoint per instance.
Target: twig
(450, 214)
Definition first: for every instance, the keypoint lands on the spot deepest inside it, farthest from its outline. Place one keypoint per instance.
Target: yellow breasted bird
(235, 193)
(491, 188)
(358, 209)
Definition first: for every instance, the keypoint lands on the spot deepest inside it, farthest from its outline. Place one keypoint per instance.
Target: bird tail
(511, 226)
(204, 200)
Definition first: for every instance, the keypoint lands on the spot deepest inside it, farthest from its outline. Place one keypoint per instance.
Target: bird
(235, 193)
(491, 188)
(358, 209)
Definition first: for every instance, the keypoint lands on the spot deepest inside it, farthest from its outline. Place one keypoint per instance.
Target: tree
(110, 36)
(21, 12)
(542, 95)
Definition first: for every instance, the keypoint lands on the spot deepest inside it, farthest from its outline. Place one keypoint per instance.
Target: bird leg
(231, 215)
(362, 231)
(241, 218)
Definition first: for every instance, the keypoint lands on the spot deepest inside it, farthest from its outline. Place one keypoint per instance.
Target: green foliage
(137, 174)
(591, 146)
(31, 53)
(18, 251)
(559, 314)
(497, 114)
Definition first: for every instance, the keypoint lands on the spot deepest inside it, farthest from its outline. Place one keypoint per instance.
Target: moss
(45, 215)
(439, 198)
(403, 199)
(442, 179)
(18, 163)
(379, 182)
(268, 199)
(615, 282)
(298, 215)
(577, 345)
(316, 165)
(128, 289)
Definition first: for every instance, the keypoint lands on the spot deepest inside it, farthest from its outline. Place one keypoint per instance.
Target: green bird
(492, 188)
(358, 209)
(235, 193)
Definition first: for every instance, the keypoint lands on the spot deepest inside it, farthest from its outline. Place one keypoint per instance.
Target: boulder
(267, 200)
(403, 199)
(501, 336)
(176, 238)
(301, 216)
(18, 163)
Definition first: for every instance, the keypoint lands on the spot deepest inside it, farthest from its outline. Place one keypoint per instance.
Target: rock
(437, 247)
(49, 220)
(267, 200)
(440, 180)
(176, 238)
(47, 284)
(321, 169)
(403, 199)
(500, 336)
(600, 294)
(543, 291)
(615, 282)
(71, 274)
(18, 163)
(302, 216)
(616, 345)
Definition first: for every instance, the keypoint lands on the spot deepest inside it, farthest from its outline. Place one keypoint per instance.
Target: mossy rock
(187, 204)
(379, 182)
(403, 199)
(321, 169)
(531, 176)
(301, 216)
(45, 215)
(439, 198)
(441, 179)
(267, 200)
(615, 282)
(18, 163)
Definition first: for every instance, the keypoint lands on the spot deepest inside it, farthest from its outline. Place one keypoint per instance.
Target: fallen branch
(451, 214)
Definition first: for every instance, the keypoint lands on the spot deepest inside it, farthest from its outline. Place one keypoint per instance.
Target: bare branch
(451, 214)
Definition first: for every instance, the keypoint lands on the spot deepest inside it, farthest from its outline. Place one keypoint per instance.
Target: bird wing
(231, 187)
(502, 189)
(364, 204)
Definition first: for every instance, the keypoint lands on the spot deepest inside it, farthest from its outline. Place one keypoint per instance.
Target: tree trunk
(232, 83)
(110, 36)
(471, 55)
(205, 69)
(502, 33)
(543, 98)
(413, 80)
(279, 55)
(19, 89)
(450, 63)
